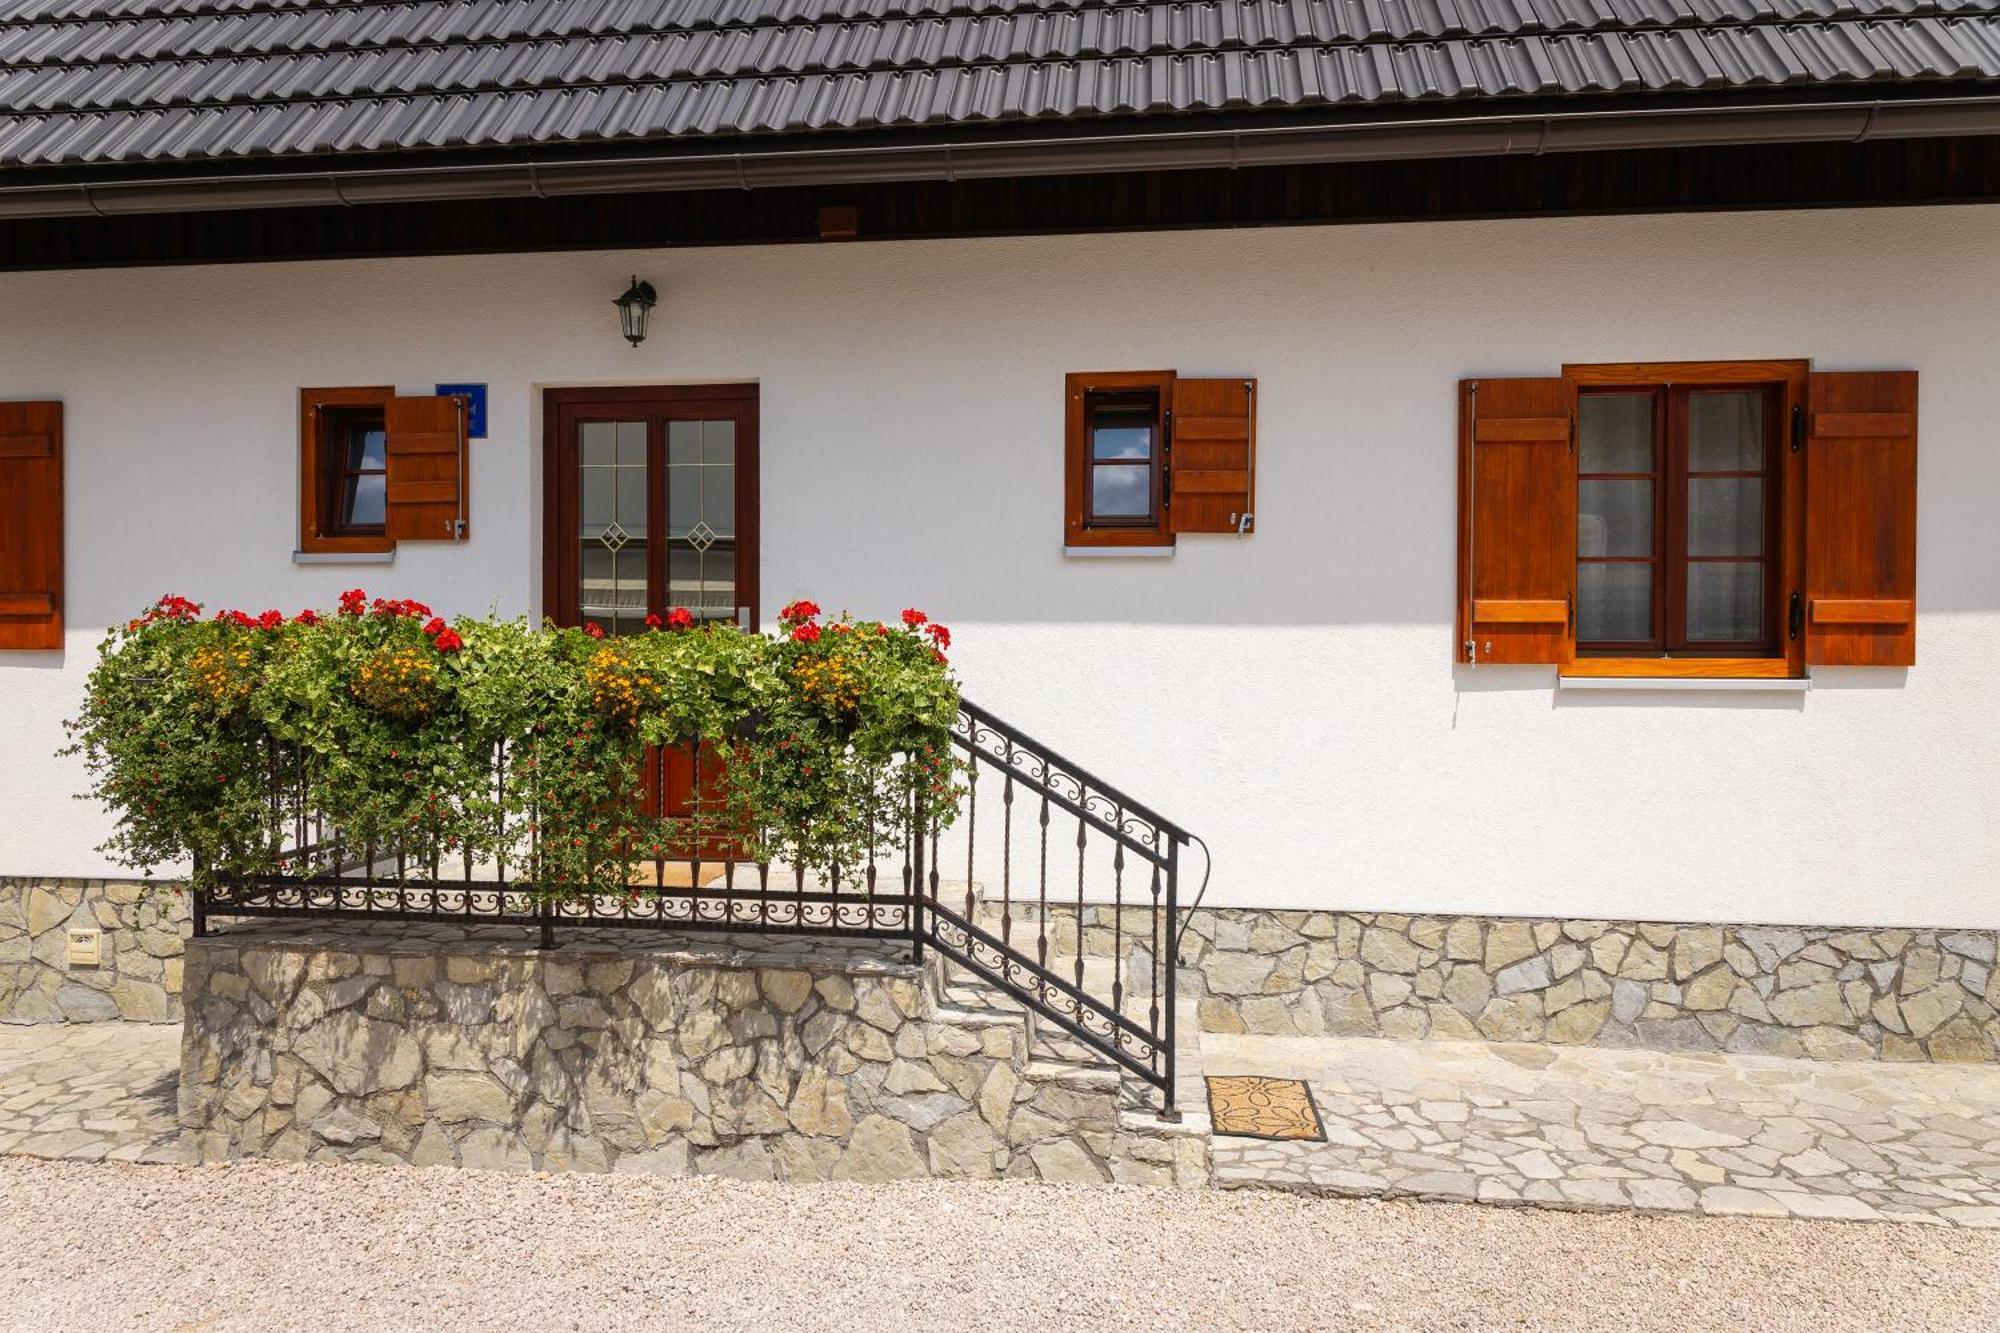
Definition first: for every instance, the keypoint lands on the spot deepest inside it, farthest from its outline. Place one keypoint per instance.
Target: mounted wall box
(475, 406)
(86, 948)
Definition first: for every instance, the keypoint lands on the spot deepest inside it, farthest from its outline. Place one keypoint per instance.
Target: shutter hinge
(1572, 432)
(1798, 426)
(1471, 652)
(1795, 618)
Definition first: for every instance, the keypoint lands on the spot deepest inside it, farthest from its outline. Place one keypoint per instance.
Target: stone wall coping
(807, 953)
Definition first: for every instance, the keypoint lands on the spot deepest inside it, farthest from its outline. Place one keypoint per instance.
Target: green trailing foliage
(499, 744)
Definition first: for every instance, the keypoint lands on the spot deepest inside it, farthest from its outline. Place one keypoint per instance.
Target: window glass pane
(1614, 518)
(367, 448)
(1118, 435)
(701, 517)
(1726, 432)
(598, 438)
(1615, 432)
(703, 581)
(365, 496)
(683, 498)
(1121, 490)
(614, 587)
(683, 441)
(1725, 516)
(718, 442)
(632, 443)
(1614, 603)
(1725, 602)
(599, 499)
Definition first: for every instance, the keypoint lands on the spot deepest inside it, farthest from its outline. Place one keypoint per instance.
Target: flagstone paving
(1582, 1127)
(90, 1091)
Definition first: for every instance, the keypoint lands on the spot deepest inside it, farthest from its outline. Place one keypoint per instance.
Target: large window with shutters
(1151, 454)
(1715, 519)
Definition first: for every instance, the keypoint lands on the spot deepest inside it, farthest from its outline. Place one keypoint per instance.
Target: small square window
(1117, 459)
(1124, 431)
(344, 470)
(357, 474)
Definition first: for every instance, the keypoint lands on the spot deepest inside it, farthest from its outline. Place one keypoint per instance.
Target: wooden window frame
(1079, 528)
(561, 550)
(320, 531)
(1785, 518)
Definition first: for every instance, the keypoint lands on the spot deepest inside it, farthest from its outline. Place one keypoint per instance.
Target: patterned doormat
(1253, 1107)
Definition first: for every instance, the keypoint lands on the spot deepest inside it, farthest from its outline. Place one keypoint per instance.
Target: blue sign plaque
(475, 406)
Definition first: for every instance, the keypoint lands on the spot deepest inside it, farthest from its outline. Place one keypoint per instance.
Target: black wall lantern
(634, 308)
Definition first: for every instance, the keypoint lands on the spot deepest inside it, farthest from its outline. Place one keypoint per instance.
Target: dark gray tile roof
(135, 81)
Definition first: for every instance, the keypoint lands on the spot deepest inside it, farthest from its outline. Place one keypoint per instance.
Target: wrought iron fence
(1069, 901)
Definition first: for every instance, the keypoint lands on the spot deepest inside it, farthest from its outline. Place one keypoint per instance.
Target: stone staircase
(1064, 1078)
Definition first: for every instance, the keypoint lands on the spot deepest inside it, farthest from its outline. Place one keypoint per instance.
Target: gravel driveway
(266, 1246)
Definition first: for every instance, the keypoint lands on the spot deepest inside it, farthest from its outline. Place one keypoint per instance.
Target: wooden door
(650, 503)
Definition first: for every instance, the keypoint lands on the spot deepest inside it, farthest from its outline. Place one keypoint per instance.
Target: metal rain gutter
(1457, 136)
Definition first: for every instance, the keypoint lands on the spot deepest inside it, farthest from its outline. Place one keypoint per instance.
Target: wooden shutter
(31, 525)
(1214, 459)
(1516, 522)
(427, 475)
(1861, 519)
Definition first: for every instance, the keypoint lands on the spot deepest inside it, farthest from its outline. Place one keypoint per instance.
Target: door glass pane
(1121, 490)
(1726, 432)
(612, 524)
(1725, 601)
(701, 517)
(1614, 603)
(1725, 516)
(1615, 432)
(1614, 518)
(614, 588)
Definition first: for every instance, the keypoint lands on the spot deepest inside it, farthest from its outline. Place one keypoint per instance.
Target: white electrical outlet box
(86, 948)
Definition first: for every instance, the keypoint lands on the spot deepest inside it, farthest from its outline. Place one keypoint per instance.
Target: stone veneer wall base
(628, 1052)
(139, 977)
(1818, 992)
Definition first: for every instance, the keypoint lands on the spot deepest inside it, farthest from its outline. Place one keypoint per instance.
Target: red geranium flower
(435, 625)
(306, 617)
(352, 602)
(680, 618)
(653, 620)
(799, 610)
(939, 634)
(913, 617)
(593, 629)
(271, 619)
(448, 641)
(805, 634)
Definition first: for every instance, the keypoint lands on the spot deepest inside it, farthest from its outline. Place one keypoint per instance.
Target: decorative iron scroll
(1072, 787)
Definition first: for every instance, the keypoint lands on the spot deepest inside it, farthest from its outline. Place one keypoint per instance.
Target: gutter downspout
(1383, 140)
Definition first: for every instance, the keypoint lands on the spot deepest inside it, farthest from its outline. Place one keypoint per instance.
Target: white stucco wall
(1290, 696)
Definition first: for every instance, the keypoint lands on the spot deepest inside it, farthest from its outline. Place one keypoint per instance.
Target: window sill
(387, 557)
(1751, 675)
(1117, 552)
(1679, 668)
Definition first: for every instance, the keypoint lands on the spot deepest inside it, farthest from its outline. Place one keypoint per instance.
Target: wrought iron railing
(1069, 901)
